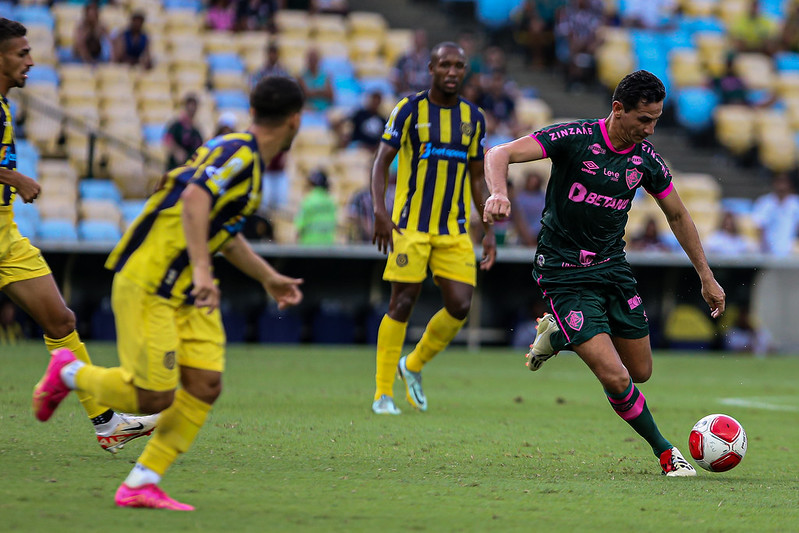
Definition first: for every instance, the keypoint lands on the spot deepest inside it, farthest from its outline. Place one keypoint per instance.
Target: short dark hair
(275, 98)
(10, 29)
(440, 46)
(640, 86)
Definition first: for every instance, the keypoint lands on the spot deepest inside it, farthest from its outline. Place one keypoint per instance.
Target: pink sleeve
(663, 194)
(539, 144)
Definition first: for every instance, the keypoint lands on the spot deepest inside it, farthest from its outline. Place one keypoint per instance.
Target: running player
(580, 265)
(165, 298)
(439, 137)
(24, 274)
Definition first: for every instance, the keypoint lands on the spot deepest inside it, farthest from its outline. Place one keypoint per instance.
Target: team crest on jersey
(575, 320)
(169, 360)
(466, 128)
(402, 260)
(633, 177)
(586, 257)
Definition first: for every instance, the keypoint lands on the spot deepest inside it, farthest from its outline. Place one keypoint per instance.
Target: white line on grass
(757, 404)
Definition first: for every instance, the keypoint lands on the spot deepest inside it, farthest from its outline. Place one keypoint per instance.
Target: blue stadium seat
(29, 212)
(693, 25)
(8, 10)
(58, 229)
(98, 230)
(347, 93)
(153, 133)
(94, 189)
(695, 107)
(495, 14)
(42, 75)
(130, 209)
(786, 61)
(35, 16)
(231, 99)
(774, 8)
(196, 5)
(27, 227)
(337, 67)
(369, 85)
(738, 206)
(226, 62)
(27, 159)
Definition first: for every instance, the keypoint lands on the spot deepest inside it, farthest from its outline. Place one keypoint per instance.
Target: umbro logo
(589, 167)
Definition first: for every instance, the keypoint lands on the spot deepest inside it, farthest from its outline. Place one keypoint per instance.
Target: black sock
(103, 418)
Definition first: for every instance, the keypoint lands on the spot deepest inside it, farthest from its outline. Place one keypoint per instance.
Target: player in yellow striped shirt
(439, 137)
(165, 297)
(25, 276)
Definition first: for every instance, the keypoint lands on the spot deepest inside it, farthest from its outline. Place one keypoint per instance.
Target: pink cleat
(51, 391)
(150, 496)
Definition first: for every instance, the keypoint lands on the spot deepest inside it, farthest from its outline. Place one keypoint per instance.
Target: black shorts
(593, 300)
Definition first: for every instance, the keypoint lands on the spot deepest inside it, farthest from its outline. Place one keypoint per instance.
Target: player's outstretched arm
(285, 290)
(27, 188)
(195, 219)
(384, 226)
(684, 229)
(497, 160)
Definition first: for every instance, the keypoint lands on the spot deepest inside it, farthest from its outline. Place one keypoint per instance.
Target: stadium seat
(57, 229)
(98, 231)
(28, 212)
(695, 106)
(43, 74)
(231, 99)
(738, 206)
(735, 127)
(187, 5)
(26, 227)
(786, 61)
(100, 210)
(130, 209)
(33, 15)
(225, 62)
(94, 189)
(685, 68)
(494, 14)
(689, 328)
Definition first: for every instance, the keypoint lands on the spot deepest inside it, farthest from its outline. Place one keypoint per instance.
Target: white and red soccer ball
(717, 443)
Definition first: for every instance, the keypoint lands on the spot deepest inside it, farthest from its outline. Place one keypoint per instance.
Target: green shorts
(593, 300)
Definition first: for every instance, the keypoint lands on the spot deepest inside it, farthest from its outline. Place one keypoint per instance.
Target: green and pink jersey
(590, 191)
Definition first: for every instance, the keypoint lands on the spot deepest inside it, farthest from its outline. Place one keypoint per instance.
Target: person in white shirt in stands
(776, 215)
(728, 240)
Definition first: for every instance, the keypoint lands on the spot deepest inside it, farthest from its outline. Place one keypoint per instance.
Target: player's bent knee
(151, 402)
(615, 383)
(641, 375)
(207, 390)
(459, 310)
(59, 325)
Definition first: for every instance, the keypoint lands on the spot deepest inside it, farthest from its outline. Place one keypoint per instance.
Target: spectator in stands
(272, 66)
(132, 45)
(469, 43)
(255, 15)
(221, 16)
(745, 337)
(534, 30)
(755, 32)
(275, 185)
(728, 240)
(10, 328)
(529, 208)
(499, 105)
(576, 40)
(226, 124)
(729, 87)
(182, 137)
(91, 39)
(316, 84)
(360, 210)
(367, 124)
(410, 74)
(332, 7)
(776, 215)
(649, 240)
(316, 220)
(647, 14)
(789, 40)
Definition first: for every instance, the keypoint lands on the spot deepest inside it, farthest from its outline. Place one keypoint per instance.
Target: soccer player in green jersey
(439, 137)
(166, 300)
(580, 265)
(24, 274)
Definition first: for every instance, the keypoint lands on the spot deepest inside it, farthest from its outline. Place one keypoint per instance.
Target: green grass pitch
(293, 446)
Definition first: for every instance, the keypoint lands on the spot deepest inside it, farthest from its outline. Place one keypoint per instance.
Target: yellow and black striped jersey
(8, 152)
(152, 252)
(435, 144)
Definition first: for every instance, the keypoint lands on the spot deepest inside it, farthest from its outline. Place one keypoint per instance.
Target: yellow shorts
(156, 336)
(448, 256)
(19, 259)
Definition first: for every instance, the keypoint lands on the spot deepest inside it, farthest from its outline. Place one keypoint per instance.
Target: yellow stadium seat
(372, 68)
(777, 151)
(698, 8)
(731, 10)
(787, 85)
(115, 17)
(712, 49)
(57, 168)
(686, 68)
(533, 113)
(55, 187)
(735, 127)
(219, 42)
(182, 21)
(365, 47)
(97, 209)
(615, 37)
(756, 70)
(614, 61)
(367, 23)
(397, 43)
(64, 208)
(328, 28)
(292, 22)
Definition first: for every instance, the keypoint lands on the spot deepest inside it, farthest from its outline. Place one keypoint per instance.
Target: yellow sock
(72, 342)
(439, 332)
(111, 386)
(390, 338)
(177, 428)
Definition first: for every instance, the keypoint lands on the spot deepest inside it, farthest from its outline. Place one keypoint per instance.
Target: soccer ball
(717, 443)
